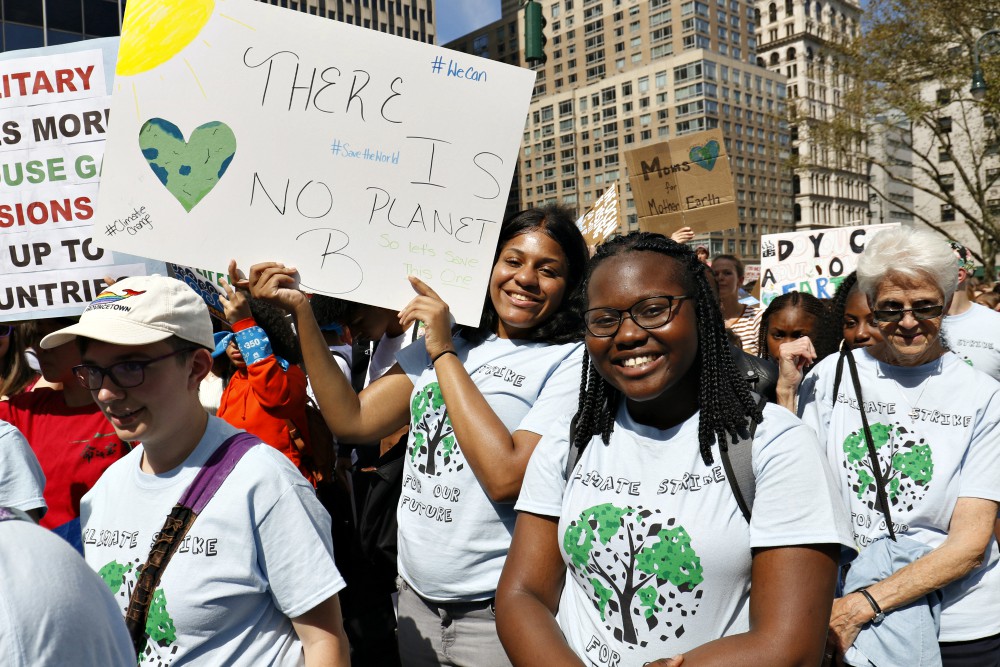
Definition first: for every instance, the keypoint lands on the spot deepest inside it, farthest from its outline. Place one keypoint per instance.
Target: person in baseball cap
(259, 553)
(139, 311)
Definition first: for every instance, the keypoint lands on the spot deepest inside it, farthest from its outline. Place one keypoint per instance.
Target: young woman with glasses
(934, 424)
(641, 546)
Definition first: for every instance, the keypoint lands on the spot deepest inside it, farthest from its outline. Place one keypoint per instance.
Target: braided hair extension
(835, 313)
(824, 339)
(724, 399)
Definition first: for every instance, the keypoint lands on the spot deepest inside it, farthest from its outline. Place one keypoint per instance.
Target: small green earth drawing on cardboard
(188, 169)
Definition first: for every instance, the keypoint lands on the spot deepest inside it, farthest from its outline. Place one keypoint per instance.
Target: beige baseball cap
(139, 311)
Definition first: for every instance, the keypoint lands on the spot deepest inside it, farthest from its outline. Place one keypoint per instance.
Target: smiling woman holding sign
(476, 402)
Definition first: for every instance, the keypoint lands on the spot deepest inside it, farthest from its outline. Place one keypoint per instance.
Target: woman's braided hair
(838, 305)
(824, 339)
(724, 398)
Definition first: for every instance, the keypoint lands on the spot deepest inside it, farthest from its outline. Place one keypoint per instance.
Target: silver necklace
(914, 412)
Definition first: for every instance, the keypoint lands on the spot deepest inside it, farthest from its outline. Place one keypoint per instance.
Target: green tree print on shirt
(639, 567)
(433, 447)
(907, 465)
(159, 624)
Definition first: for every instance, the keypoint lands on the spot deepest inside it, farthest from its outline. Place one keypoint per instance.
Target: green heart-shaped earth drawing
(705, 156)
(189, 170)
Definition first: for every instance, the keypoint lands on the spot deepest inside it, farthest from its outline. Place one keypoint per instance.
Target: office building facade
(26, 24)
(798, 38)
(621, 74)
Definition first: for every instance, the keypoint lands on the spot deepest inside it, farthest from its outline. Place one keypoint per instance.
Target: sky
(460, 17)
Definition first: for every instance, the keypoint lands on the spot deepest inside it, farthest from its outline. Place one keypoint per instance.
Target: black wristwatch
(879, 614)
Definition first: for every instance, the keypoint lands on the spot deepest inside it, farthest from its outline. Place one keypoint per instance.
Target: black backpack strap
(737, 460)
(574, 452)
(880, 494)
(844, 351)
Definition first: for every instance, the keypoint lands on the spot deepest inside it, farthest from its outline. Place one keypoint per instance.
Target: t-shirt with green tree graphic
(660, 570)
(443, 509)
(433, 447)
(936, 430)
(905, 460)
(121, 579)
(258, 555)
(657, 551)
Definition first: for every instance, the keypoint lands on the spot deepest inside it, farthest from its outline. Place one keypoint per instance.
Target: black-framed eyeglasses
(651, 313)
(894, 315)
(6, 330)
(125, 374)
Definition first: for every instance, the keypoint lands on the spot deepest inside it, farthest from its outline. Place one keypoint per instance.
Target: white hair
(913, 253)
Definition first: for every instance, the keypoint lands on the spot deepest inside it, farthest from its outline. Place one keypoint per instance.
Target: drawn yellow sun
(156, 31)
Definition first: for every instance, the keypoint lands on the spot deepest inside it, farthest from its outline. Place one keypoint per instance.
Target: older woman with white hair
(930, 422)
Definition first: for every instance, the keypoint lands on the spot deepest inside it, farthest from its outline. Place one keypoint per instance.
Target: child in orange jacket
(268, 387)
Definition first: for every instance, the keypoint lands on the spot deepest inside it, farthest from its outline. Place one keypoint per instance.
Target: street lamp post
(979, 86)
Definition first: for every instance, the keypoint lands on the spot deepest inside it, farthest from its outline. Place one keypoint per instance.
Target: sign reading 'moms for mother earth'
(247, 131)
(684, 182)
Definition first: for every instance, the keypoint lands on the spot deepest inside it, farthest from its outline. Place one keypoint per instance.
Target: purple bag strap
(10, 514)
(216, 470)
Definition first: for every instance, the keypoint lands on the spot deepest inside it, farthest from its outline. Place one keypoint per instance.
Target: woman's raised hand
(429, 308)
(276, 284)
(793, 357)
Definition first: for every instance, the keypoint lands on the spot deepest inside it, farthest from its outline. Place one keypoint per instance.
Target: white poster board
(813, 261)
(54, 106)
(248, 131)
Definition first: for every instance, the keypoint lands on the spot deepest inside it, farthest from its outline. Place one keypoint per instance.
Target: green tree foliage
(159, 624)
(906, 78)
(113, 575)
(627, 556)
(432, 429)
(899, 456)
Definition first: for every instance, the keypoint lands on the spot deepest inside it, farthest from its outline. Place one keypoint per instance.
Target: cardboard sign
(247, 131)
(54, 112)
(811, 261)
(603, 219)
(684, 182)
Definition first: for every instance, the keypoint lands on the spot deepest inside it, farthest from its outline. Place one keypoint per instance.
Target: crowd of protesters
(630, 461)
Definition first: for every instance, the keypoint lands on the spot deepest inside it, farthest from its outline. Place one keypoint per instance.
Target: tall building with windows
(798, 38)
(26, 24)
(413, 19)
(621, 74)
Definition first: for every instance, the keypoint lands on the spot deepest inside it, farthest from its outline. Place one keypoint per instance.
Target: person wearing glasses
(641, 546)
(477, 399)
(67, 432)
(933, 422)
(253, 581)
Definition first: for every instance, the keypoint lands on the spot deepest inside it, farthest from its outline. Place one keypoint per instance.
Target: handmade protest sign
(811, 261)
(684, 182)
(54, 113)
(603, 218)
(251, 132)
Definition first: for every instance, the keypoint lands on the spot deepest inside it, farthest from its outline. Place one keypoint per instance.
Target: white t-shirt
(646, 527)
(53, 610)
(935, 428)
(975, 336)
(453, 540)
(21, 479)
(259, 554)
(384, 356)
